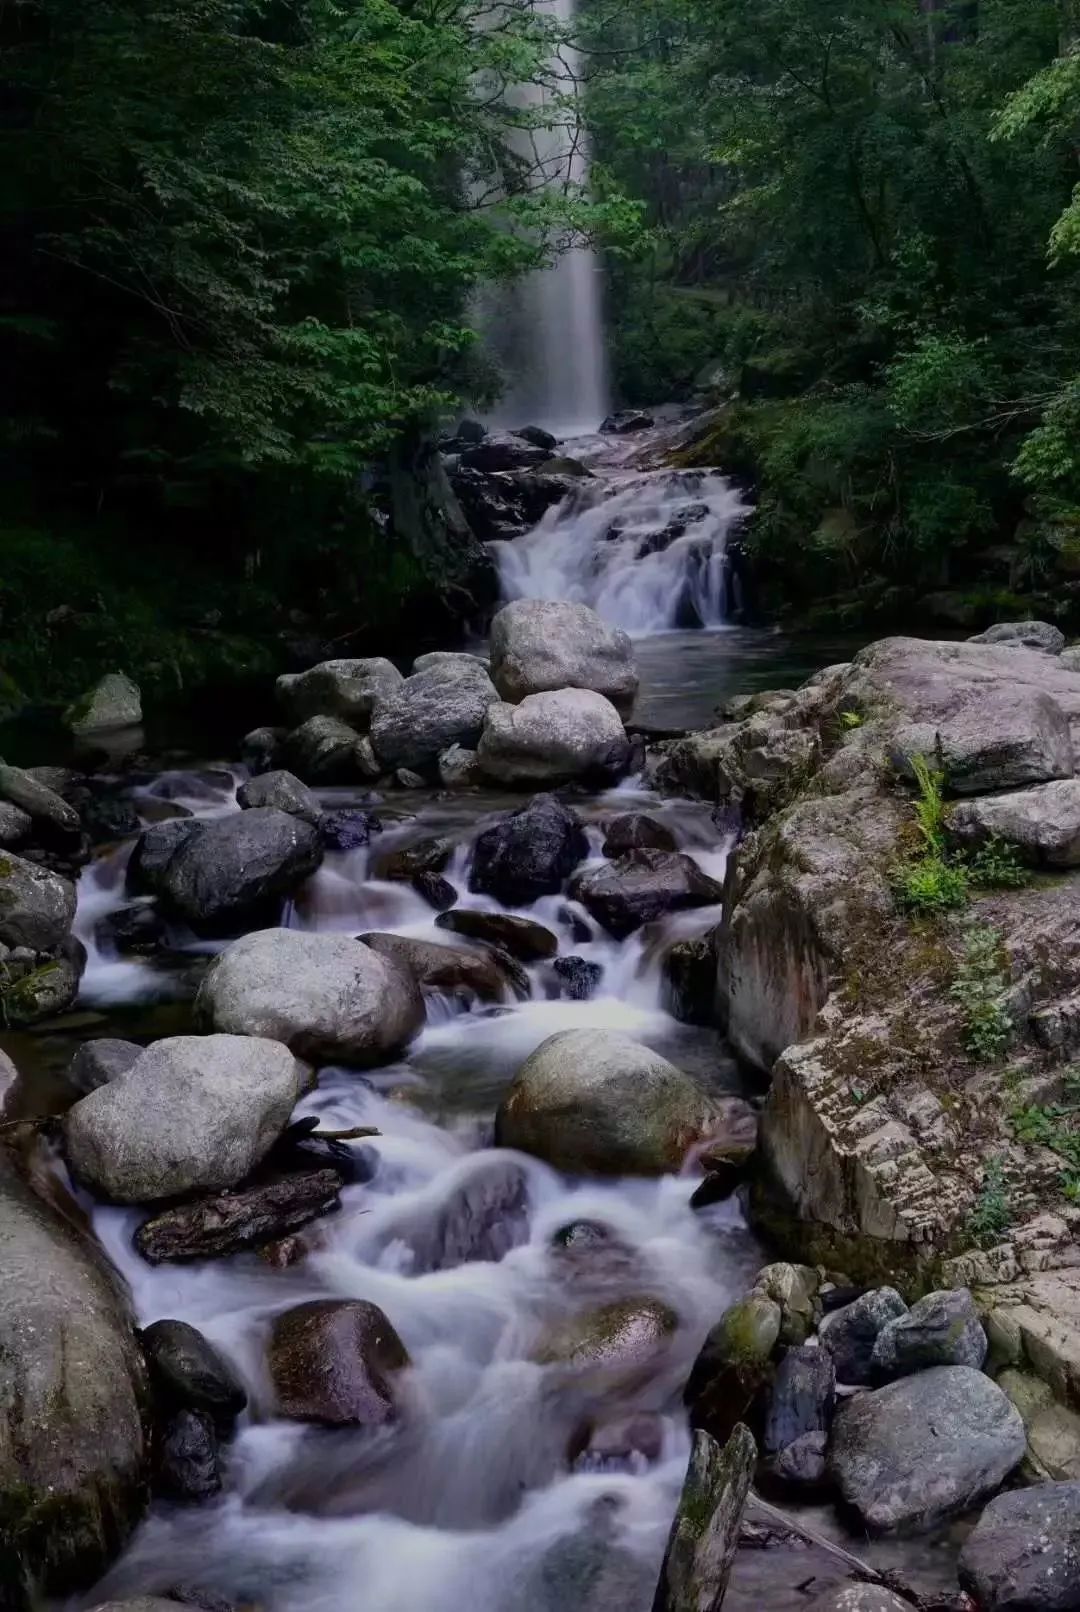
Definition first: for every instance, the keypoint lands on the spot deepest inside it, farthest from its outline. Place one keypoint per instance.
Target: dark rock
(325, 750)
(210, 1228)
(803, 1462)
(493, 504)
(581, 932)
(1024, 635)
(800, 1404)
(583, 1235)
(136, 931)
(348, 829)
(537, 436)
(636, 831)
(625, 421)
(283, 791)
(45, 990)
(261, 748)
(238, 869)
(189, 1373)
(925, 1448)
(733, 1366)
(48, 809)
(97, 1062)
(438, 892)
(471, 431)
(155, 849)
(301, 1149)
(578, 978)
(482, 976)
(529, 942)
(106, 814)
(334, 1361)
(503, 450)
(529, 854)
(719, 1185)
(482, 1219)
(643, 886)
(188, 1463)
(850, 1334)
(36, 907)
(422, 856)
(1023, 1554)
(942, 1329)
(690, 976)
(15, 824)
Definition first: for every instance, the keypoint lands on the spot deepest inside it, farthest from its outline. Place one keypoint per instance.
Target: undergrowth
(941, 880)
(991, 1214)
(978, 988)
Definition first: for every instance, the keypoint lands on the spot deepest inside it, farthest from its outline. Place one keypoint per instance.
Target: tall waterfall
(546, 332)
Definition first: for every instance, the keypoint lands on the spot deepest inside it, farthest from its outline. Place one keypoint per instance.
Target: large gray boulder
(15, 824)
(1024, 635)
(73, 1454)
(1023, 1554)
(942, 1329)
(36, 906)
(238, 869)
(1043, 823)
(154, 850)
(282, 791)
(346, 689)
(113, 702)
(922, 1450)
(596, 1102)
(40, 802)
(430, 711)
(800, 1414)
(192, 1114)
(851, 1333)
(528, 854)
(328, 997)
(538, 645)
(479, 976)
(552, 739)
(325, 750)
(643, 886)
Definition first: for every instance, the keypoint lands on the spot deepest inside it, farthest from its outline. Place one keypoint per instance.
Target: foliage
(978, 988)
(997, 866)
(930, 805)
(930, 885)
(991, 1215)
(850, 720)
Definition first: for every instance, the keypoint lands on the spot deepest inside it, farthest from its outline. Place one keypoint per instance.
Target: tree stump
(705, 1533)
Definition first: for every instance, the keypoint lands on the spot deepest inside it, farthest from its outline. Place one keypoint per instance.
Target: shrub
(979, 986)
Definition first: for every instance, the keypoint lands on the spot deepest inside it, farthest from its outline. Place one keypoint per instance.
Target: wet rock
(113, 702)
(720, 1183)
(923, 1449)
(212, 1228)
(529, 942)
(538, 437)
(624, 422)
(36, 907)
(481, 1219)
(616, 1341)
(344, 689)
(578, 978)
(628, 1443)
(476, 976)
(328, 997)
(1043, 823)
(106, 815)
(97, 1062)
(325, 750)
(503, 450)
(284, 792)
(261, 748)
(405, 778)
(15, 824)
(733, 1365)
(596, 1102)
(136, 931)
(348, 829)
(46, 989)
(438, 892)
(850, 1334)
(942, 1329)
(859, 1598)
(643, 886)
(540, 646)
(155, 849)
(690, 980)
(555, 738)
(140, 1603)
(335, 1361)
(800, 1413)
(238, 869)
(579, 1236)
(529, 854)
(193, 1113)
(187, 1371)
(794, 1288)
(1024, 635)
(422, 856)
(72, 1450)
(458, 767)
(636, 832)
(1023, 1554)
(430, 711)
(188, 1460)
(42, 804)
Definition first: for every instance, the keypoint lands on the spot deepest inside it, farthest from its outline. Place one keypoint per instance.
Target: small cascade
(647, 551)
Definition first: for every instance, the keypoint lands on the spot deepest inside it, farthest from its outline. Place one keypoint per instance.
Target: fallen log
(705, 1533)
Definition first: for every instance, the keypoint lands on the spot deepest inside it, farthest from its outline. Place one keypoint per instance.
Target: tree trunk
(705, 1533)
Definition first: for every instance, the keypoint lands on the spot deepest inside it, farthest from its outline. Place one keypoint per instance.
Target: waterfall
(546, 331)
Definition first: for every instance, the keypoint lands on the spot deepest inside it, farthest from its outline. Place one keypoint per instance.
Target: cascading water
(647, 551)
(546, 332)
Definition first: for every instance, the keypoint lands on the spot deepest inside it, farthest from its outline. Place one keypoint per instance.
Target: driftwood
(705, 1533)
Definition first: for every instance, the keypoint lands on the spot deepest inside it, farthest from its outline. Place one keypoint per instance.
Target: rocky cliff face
(920, 1053)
